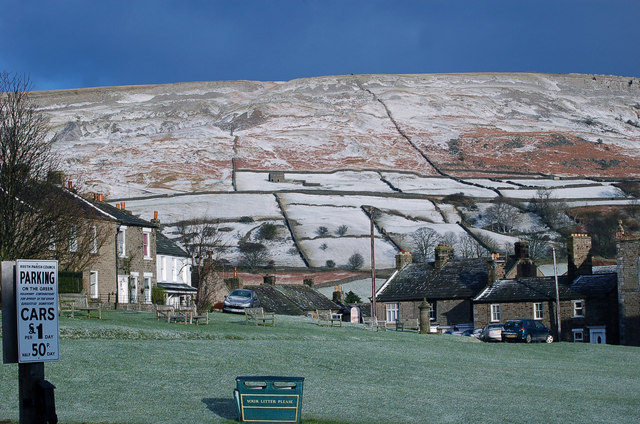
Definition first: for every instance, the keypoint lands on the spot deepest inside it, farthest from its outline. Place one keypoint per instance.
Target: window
(537, 311)
(174, 270)
(146, 247)
(433, 314)
(133, 287)
(578, 308)
(495, 313)
(94, 239)
(163, 269)
(122, 241)
(147, 287)
(392, 311)
(578, 335)
(93, 284)
(73, 239)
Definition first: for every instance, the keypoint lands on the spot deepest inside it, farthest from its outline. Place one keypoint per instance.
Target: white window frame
(94, 289)
(146, 246)
(134, 278)
(538, 311)
(575, 308)
(496, 312)
(163, 269)
(433, 313)
(578, 335)
(122, 241)
(393, 311)
(147, 281)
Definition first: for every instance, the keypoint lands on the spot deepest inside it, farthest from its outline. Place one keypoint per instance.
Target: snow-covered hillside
(138, 140)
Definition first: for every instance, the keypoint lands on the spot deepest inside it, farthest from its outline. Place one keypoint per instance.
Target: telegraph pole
(373, 267)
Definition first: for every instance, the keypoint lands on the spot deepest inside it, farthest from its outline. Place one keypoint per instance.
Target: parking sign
(37, 309)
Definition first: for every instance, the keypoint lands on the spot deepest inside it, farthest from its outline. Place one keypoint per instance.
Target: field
(130, 368)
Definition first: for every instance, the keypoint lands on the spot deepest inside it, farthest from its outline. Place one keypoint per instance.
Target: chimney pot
(155, 215)
(70, 185)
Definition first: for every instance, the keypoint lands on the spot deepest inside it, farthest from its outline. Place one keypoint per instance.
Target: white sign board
(37, 308)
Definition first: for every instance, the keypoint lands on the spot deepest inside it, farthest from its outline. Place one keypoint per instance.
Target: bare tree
(355, 262)
(468, 247)
(550, 210)
(502, 216)
(40, 219)
(203, 241)
(424, 242)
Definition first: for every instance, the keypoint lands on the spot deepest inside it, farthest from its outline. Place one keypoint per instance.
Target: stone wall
(629, 291)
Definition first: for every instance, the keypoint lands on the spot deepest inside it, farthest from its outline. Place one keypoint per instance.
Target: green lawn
(129, 368)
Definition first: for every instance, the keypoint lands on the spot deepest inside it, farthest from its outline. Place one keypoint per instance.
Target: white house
(174, 272)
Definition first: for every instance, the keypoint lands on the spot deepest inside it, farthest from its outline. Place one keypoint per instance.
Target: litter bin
(269, 399)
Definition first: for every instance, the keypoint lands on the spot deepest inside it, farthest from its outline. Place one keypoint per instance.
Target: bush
(323, 246)
(355, 262)
(267, 231)
(322, 230)
(342, 230)
(330, 264)
(246, 220)
(351, 297)
(158, 295)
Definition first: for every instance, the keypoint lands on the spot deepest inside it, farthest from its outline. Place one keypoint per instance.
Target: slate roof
(177, 287)
(123, 216)
(166, 246)
(291, 299)
(457, 279)
(544, 288)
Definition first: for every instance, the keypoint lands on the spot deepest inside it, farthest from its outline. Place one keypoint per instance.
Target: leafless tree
(469, 247)
(550, 210)
(502, 216)
(40, 219)
(424, 242)
(203, 241)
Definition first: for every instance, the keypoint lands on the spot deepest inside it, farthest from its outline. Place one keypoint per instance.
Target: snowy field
(336, 181)
(224, 206)
(410, 183)
(340, 250)
(590, 192)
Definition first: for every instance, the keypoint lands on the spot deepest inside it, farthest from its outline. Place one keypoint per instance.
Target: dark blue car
(525, 330)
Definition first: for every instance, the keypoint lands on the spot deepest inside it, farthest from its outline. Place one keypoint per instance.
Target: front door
(123, 289)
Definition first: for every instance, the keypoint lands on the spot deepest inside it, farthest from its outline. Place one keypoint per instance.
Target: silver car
(239, 299)
(491, 333)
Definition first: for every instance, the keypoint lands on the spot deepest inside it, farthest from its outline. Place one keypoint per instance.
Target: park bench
(326, 316)
(200, 317)
(408, 324)
(164, 311)
(374, 324)
(258, 315)
(72, 302)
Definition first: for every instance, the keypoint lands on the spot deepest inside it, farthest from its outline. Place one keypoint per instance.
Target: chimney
(403, 259)
(70, 185)
(496, 268)
(155, 219)
(122, 206)
(269, 280)
(117, 205)
(579, 256)
(443, 254)
(338, 294)
(100, 197)
(521, 249)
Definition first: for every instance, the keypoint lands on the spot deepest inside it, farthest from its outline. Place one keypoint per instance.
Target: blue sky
(83, 43)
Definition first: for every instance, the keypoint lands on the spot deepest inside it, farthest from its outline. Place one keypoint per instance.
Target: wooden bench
(198, 317)
(258, 315)
(164, 311)
(376, 324)
(72, 302)
(326, 316)
(408, 324)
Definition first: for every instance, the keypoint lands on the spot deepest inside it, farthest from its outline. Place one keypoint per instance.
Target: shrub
(267, 231)
(342, 230)
(246, 220)
(322, 230)
(330, 264)
(355, 261)
(351, 297)
(158, 295)
(323, 246)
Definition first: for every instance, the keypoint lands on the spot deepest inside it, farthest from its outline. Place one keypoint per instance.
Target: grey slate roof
(457, 279)
(177, 287)
(123, 216)
(544, 288)
(291, 299)
(166, 246)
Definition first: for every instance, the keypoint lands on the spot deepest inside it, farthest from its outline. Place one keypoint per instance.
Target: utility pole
(373, 267)
(555, 273)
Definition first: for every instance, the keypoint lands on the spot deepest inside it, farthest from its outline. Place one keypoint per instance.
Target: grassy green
(130, 368)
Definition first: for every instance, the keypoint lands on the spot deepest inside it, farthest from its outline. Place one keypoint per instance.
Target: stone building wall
(629, 291)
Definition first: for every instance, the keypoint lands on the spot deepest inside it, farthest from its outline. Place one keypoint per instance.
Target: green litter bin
(268, 399)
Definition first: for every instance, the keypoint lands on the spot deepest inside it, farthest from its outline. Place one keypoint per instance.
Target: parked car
(476, 333)
(239, 299)
(491, 333)
(526, 330)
